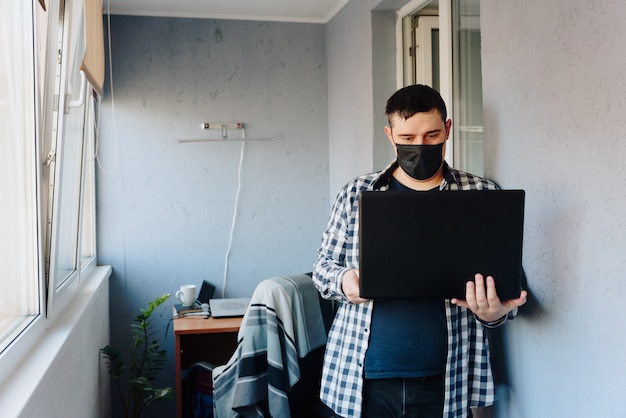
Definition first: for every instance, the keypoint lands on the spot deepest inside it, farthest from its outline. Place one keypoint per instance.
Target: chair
(276, 369)
(198, 391)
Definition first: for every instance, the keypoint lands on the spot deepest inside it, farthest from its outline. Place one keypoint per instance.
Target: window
(87, 216)
(20, 283)
(48, 113)
(68, 169)
(467, 87)
(441, 48)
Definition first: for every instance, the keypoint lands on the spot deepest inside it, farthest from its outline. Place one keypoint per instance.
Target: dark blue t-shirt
(408, 336)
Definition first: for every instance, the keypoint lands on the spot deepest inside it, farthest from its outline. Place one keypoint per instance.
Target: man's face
(419, 129)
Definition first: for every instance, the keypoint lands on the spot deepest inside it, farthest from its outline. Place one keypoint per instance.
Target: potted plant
(146, 358)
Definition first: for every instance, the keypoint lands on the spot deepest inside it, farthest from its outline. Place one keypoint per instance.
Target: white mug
(187, 294)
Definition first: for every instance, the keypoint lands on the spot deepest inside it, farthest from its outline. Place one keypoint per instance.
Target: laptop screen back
(206, 292)
(429, 244)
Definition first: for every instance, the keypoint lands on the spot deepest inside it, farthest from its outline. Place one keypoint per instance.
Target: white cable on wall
(234, 219)
(97, 149)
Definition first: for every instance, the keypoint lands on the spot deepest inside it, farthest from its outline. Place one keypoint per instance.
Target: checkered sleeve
(467, 181)
(338, 251)
(342, 373)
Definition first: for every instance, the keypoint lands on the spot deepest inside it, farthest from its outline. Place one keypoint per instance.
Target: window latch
(51, 156)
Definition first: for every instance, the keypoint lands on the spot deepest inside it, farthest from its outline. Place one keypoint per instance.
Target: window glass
(47, 215)
(70, 140)
(88, 196)
(441, 44)
(19, 279)
(467, 87)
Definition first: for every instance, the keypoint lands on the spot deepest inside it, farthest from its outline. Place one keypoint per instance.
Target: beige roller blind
(93, 61)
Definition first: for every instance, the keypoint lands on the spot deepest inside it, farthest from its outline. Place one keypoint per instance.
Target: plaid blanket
(282, 324)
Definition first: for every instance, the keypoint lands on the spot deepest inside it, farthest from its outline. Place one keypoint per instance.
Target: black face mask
(420, 162)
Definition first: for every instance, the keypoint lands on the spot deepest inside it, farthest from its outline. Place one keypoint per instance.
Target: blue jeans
(403, 398)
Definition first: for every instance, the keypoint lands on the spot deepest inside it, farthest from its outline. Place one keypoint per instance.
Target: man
(406, 358)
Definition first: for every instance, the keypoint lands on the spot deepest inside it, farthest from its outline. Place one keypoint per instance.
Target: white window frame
(445, 54)
(63, 237)
(49, 72)
(18, 340)
(424, 51)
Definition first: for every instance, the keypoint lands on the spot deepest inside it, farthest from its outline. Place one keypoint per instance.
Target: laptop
(206, 293)
(228, 307)
(218, 308)
(429, 244)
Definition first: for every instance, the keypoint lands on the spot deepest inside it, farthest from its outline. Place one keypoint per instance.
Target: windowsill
(18, 389)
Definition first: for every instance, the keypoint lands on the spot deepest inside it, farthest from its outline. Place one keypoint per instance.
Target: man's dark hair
(414, 99)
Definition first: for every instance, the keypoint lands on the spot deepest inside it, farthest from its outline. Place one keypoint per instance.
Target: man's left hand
(482, 299)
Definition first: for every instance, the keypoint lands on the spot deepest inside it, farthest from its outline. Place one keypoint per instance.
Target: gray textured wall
(361, 77)
(165, 209)
(349, 36)
(554, 98)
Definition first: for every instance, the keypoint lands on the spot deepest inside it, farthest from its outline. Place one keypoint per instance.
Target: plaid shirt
(468, 380)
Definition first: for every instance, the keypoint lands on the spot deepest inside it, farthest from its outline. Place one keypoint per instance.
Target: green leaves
(146, 359)
(146, 393)
(146, 313)
(115, 363)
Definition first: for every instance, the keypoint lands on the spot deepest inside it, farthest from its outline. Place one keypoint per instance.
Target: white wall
(554, 79)
(64, 375)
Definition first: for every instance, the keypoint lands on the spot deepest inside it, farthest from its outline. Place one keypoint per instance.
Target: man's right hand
(350, 286)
